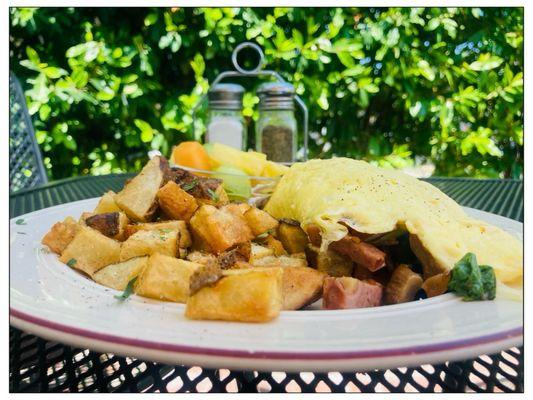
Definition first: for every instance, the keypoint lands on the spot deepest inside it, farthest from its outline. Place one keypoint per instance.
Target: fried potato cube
(281, 261)
(301, 286)
(258, 252)
(90, 251)
(239, 208)
(247, 295)
(117, 276)
(110, 224)
(200, 257)
(272, 243)
(436, 285)
(329, 262)
(61, 234)
(107, 204)
(215, 197)
(138, 198)
(260, 221)
(165, 278)
(219, 229)
(145, 243)
(175, 202)
(403, 285)
(293, 238)
(180, 226)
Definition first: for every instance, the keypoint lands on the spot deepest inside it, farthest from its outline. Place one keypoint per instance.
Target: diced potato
(107, 204)
(258, 252)
(138, 198)
(301, 286)
(219, 197)
(329, 262)
(180, 226)
(403, 285)
(117, 276)
(145, 243)
(293, 238)
(110, 224)
(84, 216)
(247, 295)
(218, 229)
(90, 251)
(175, 202)
(260, 221)
(436, 285)
(281, 261)
(237, 208)
(272, 243)
(430, 265)
(165, 278)
(200, 257)
(61, 234)
(315, 234)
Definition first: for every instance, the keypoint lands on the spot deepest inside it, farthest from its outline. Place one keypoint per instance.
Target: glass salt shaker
(276, 129)
(225, 121)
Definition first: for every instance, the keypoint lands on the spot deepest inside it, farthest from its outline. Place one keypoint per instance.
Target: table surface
(38, 365)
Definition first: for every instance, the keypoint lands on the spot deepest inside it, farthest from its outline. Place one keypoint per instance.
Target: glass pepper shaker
(276, 129)
(225, 120)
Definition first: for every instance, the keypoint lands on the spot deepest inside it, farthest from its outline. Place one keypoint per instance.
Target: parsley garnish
(190, 185)
(72, 262)
(128, 291)
(212, 194)
(20, 221)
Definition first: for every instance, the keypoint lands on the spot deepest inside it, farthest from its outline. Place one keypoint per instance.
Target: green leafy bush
(395, 86)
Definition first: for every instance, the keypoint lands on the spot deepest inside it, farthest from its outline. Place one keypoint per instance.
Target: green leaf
(72, 262)
(54, 72)
(128, 291)
(20, 221)
(486, 62)
(472, 282)
(322, 101)
(425, 70)
(32, 55)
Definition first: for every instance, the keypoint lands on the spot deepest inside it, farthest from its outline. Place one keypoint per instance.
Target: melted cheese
(340, 191)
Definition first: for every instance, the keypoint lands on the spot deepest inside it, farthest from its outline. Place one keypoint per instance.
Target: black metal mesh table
(38, 365)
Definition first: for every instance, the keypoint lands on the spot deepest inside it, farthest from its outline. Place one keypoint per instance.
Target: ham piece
(347, 292)
(361, 253)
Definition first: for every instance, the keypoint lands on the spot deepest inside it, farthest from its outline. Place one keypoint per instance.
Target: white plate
(53, 301)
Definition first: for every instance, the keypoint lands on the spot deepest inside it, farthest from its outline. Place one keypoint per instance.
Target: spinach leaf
(471, 281)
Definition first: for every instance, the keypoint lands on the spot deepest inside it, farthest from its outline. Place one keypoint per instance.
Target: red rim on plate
(423, 349)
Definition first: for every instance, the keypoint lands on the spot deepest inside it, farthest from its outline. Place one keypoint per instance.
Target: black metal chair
(26, 168)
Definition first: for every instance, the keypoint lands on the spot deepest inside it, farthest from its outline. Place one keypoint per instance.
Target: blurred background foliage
(399, 86)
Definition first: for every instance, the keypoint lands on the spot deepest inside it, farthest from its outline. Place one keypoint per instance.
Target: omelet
(338, 193)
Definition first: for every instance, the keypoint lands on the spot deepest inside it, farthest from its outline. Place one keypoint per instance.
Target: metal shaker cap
(226, 96)
(276, 96)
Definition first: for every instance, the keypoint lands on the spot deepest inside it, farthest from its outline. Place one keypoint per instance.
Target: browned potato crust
(109, 224)
(247, 295)
(293, 237)
(175, 202)
(301, 286)
(165, 278)
(90, 251)
(218, 229)
(60, 235)
(329, 261)
(403, 285)
(117, 276)
(260, 221)
(138, 197)
(145, 243)
(436, 285)
(107, 204)
(180, 226)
